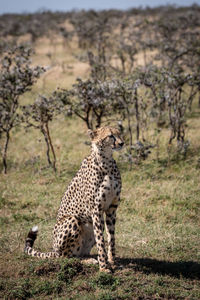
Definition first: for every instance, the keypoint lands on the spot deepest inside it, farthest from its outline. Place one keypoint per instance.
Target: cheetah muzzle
(93, 192)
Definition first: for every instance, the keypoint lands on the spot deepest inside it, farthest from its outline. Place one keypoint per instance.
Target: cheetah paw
(105, 270)
(90, 261)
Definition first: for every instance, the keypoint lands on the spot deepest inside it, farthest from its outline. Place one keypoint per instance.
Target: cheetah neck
(101, 156)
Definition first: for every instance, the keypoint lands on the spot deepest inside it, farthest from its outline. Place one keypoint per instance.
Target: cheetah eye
(112, 137)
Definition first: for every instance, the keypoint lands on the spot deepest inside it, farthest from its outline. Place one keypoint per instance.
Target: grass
(157, 230)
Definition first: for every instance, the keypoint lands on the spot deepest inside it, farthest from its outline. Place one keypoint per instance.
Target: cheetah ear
(91, 134)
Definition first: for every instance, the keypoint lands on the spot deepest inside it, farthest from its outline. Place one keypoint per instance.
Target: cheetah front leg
(110, 230)
(98, 225)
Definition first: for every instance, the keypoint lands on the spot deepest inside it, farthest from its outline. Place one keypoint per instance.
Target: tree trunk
(129, 124)
(122, 58)
(99, 116)
(5, 152)
(137, 116)
(199, 98)
(47, 143)
(51, 145)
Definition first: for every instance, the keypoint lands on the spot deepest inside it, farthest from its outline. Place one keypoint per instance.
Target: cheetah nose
(121, 144)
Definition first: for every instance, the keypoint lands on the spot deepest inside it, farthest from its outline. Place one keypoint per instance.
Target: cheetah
(92, 193)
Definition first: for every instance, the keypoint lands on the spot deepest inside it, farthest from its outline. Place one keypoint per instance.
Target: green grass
(157, 229)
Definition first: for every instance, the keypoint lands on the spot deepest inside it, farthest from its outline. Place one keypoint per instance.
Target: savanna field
(139, 71)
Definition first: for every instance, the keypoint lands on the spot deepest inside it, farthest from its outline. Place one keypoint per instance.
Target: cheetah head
(106, 139)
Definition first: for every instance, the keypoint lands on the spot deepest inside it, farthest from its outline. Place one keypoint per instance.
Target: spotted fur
(93, 192)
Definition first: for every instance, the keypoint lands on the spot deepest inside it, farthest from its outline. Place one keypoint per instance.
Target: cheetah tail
(32, 235)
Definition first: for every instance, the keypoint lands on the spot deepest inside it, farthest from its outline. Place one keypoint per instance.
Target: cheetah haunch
(94, 190)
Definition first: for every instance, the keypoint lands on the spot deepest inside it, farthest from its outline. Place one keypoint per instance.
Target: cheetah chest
(110, 190)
